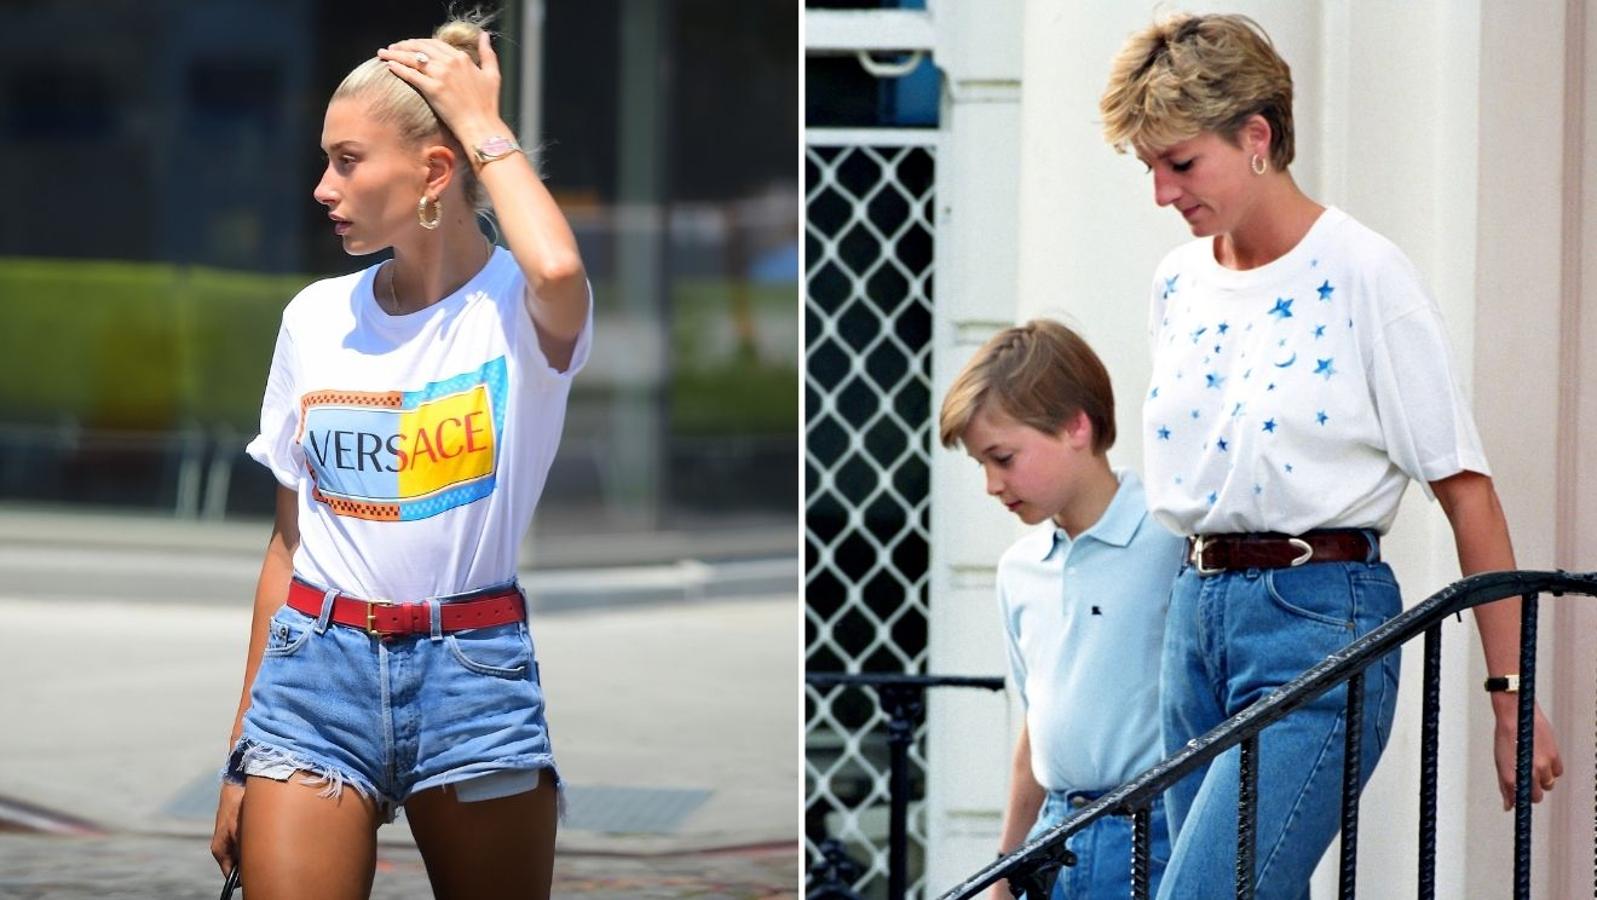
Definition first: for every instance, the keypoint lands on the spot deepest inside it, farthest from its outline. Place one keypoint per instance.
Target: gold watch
(496, 148)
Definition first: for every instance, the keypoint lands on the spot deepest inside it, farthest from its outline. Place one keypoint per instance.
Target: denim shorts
(390, 716)
(1103, 849)
(1231, 640)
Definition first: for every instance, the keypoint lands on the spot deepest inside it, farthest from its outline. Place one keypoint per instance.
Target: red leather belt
(496, 606)
(1211, 553)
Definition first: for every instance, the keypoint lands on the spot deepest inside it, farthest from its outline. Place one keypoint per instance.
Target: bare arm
(1025, 801)
(1480, 532)
(271, 590)
(466, 97)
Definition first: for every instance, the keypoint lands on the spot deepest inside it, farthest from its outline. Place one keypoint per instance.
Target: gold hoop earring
(1258, 164)
(421, 212)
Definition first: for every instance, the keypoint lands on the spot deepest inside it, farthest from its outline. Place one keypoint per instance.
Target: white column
(968, 732)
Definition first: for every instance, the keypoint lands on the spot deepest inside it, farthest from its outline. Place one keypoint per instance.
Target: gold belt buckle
(371, 617)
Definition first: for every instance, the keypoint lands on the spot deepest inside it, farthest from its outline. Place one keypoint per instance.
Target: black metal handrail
(901, 697)
(1033, 867)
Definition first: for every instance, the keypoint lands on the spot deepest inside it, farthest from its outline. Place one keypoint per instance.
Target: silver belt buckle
(1198, 542)
(1301, 544)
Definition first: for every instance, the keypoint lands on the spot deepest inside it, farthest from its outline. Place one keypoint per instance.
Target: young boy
(1083, 596)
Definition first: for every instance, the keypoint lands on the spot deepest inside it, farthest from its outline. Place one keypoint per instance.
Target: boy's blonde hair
(1040, 374)
(1188, 74)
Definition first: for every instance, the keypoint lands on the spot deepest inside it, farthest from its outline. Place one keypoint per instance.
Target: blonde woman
(411, 414)
(1300, 381)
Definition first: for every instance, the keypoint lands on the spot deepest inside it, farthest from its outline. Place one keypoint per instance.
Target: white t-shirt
(418, 444)
(1301, 394)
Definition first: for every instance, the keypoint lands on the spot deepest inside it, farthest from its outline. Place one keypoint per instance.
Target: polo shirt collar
(1119, 522)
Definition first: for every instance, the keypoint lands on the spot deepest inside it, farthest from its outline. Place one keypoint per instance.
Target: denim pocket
(287, 631)
(1318, 593)
(504, 651)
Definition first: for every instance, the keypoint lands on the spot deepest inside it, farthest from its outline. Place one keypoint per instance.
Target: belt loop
(435, 611)
(1373, 539)
(328, 597)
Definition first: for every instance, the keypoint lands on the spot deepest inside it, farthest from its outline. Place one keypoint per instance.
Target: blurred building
(167, 152)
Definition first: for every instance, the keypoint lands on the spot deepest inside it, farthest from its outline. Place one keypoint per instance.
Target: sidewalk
(675, 720)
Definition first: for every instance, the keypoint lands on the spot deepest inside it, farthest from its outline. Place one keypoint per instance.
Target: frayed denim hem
(251, 757)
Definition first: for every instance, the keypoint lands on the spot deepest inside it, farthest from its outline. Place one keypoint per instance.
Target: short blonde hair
(1039, 374)
(390, 99)
(1189, 74)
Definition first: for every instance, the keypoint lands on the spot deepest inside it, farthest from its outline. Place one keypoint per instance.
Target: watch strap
(1503, 683)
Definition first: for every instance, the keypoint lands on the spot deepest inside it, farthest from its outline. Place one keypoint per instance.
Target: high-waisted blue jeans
(1231, 639)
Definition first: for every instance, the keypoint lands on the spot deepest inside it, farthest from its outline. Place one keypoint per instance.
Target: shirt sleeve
(275, 447)
(1425, 420)
(1017, 666)
(537, 365)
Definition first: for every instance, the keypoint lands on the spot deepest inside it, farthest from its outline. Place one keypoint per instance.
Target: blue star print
(1223, 328)
(1194, 414)
(1237, 410)
(1321, 417)
(1212, 498)
(1164, 434)
(1199, 333)
(1153, 394)
(1269, 425)
(1325, 290)
(1325, 368)
(1170, 285)
(1214, 380)
(1319, 332)
(1221, 443)
(1289, 468)
(1283, 308)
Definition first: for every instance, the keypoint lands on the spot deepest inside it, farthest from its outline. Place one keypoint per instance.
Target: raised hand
(463, 94)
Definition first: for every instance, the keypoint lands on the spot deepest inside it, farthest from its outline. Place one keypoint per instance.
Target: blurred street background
(171, 147)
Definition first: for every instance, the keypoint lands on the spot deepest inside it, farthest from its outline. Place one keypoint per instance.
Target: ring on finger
(421, 59)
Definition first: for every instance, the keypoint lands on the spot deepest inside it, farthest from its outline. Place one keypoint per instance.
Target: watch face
(496, 146)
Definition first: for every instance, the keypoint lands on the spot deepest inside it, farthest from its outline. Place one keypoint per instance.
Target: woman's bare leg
(294, 843)
(501, 848)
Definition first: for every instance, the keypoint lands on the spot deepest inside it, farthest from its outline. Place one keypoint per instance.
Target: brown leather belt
(495, 606)
(1211, 553)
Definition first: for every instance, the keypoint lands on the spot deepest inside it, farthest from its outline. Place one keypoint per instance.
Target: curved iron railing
(1033, 867)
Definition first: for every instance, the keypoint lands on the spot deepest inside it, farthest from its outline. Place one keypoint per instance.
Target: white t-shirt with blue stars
(1301, 394)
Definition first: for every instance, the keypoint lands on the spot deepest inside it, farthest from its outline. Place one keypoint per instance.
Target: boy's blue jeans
(1103, 849)
(1231, 639)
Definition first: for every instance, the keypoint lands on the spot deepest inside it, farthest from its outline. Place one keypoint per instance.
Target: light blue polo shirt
(1083, 624)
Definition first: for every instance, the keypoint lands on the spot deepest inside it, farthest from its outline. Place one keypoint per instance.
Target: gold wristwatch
(496, 148)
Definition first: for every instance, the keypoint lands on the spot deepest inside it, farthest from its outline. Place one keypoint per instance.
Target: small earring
(1258, 164)
(421, 212)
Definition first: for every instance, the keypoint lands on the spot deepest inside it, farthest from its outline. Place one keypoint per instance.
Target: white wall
(1439, 124)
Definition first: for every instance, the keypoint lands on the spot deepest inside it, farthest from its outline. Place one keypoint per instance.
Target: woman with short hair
(1300, 380)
